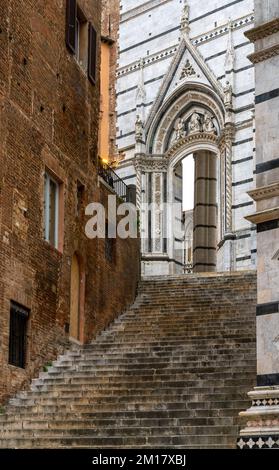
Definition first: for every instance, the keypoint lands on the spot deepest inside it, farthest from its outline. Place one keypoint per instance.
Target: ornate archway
(192, 114)
(192, 120)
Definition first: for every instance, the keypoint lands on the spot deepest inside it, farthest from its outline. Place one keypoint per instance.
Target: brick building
(55, 283)
(109, 62)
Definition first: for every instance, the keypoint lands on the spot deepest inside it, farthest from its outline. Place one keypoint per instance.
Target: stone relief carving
(208, 124)
(188, 71)
(195, 123)
(201, 98)
(139, 129)
(228, 95)
(179, 128)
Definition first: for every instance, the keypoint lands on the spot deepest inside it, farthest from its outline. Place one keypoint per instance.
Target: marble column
(205, 212)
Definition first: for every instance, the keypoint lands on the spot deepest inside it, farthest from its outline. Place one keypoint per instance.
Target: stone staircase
(171, 372)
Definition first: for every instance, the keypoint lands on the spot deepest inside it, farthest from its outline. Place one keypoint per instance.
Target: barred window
(18, 335)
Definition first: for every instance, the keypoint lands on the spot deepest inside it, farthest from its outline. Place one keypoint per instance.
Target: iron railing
(112, 179)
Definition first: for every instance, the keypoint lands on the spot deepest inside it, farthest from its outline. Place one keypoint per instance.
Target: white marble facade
(149, 40)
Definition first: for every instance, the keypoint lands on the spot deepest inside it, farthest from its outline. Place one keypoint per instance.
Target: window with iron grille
(18, 335)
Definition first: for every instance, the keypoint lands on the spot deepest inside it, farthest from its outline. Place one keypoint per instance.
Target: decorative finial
(141, 93)
(184, 25)
(230, 55)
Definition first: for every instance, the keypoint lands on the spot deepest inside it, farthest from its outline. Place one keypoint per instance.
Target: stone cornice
(264, 192)
(264, 216)
(262, 31)
(264, 54)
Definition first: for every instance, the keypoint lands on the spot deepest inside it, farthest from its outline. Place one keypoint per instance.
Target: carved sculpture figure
(228, 94)
(179, 129)
(139, 129)
(195, 124)
(208, 125)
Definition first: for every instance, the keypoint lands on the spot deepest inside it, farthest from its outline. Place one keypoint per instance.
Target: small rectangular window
(80, 198)
(18, 335)
(51, 210)
(109, 246)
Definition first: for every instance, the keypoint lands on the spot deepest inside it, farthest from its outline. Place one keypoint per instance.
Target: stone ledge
(263, 216)
(262, 31)
(264, 54)
(264, 192)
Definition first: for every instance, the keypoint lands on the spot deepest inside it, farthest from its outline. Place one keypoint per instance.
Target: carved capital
(227, 137)
(149, 163)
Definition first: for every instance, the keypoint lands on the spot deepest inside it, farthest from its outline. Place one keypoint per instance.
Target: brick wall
(110, 29)
(49, 114)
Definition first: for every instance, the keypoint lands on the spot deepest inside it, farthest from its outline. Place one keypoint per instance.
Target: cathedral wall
(159, 23)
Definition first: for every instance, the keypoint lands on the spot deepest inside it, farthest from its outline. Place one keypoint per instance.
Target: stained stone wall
(144, 61)
(266, 59)
(262, 428)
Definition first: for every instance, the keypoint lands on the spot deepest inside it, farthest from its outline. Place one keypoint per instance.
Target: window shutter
(92, 54)
(71, 16)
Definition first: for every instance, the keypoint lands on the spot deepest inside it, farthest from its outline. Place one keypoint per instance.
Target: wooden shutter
(92, 54)
(71, 21)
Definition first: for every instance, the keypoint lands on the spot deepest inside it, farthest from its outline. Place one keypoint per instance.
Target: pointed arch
(184, 98)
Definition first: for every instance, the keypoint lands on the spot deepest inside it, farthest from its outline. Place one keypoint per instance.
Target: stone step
(117, 422)
(226, 403)
(120, 442)
(146, 362)
(125, 431)
(172, 371)
(138, 415)
(165, 373)
(85, 391)
(204, 344)
(128, 396)
(144, 351)
(191, 386)
(128, 369)
(163, 380)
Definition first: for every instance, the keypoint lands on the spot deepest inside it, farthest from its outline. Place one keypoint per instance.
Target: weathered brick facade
(110, 32)
(49, 114)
